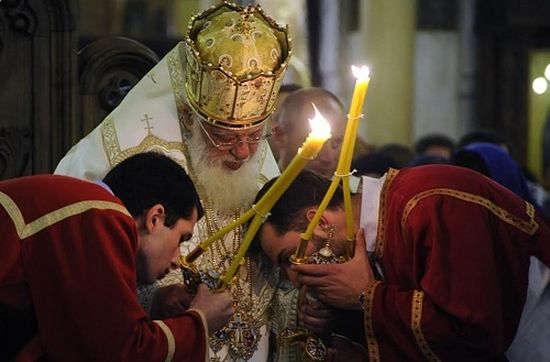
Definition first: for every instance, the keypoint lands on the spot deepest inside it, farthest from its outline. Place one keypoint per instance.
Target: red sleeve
(458, 285)
(83, 285)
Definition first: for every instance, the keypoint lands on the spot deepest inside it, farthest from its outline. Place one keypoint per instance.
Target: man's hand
(216, 306)
(339, 285)
(170, 301)
(314, 315)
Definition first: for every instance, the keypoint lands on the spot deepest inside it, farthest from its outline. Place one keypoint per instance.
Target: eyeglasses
(230, 142)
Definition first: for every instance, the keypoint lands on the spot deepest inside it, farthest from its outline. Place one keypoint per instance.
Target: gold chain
(242, 334)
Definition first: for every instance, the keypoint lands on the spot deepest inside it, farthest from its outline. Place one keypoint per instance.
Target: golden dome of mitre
(236, 60)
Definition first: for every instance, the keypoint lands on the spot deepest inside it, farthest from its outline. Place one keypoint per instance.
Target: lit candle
(355, 114)
(320, 133)
(343, 166)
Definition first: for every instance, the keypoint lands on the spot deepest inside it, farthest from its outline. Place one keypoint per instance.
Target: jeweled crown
(236, 60)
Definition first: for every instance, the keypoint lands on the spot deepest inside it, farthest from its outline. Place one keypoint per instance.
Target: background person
(292, 120)
(285, 90)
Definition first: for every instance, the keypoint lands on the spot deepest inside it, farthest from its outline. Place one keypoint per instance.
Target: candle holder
(342, 173)
(325, 255)
(314, 347)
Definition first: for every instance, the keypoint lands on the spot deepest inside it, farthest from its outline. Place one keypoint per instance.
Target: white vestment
(151, 117)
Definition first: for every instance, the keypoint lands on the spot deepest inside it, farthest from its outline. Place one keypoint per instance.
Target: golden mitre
(236, 60)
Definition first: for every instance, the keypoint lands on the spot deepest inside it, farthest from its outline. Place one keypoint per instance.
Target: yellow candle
(201, 248)
(344, 164)
(360, 91)
(354, 116)
(319, 134)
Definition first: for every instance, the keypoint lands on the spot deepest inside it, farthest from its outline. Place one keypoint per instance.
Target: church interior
(436, 67)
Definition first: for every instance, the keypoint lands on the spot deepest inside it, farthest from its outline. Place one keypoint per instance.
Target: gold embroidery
(262, 179)
(372, 343)
(382, 219)
(416, 319)
(26, 230)
(169, 340)
(177, 78)
(527, 226)
(110, 139)
(149, 143)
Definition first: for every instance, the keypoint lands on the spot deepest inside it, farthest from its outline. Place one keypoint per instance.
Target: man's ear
(278, 134)
(323, 223)
(154, 217)
(187, 119)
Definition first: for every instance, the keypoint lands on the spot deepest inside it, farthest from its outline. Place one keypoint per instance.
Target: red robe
(454, 247)
(67, 272)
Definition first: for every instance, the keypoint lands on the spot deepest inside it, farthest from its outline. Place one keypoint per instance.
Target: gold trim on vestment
(382, 219)
(25, 230)
(416, 326)
(529, 226)
(109, 137)
(177, 79)
(111, 144)
(149, 143)
(372, 343)
(169, 340)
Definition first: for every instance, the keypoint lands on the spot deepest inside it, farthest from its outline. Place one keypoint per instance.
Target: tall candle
(320, 133)
(355, 114)
(343, 166)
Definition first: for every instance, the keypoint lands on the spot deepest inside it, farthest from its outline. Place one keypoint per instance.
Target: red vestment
(67, 270)
(454, 247)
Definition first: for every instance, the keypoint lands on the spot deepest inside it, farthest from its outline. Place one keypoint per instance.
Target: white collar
(370, 203)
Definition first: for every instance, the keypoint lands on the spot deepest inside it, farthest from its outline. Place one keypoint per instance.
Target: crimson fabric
(468, 259)
(74, 282)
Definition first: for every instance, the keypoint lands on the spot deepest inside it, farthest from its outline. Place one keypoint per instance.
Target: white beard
(226, 190)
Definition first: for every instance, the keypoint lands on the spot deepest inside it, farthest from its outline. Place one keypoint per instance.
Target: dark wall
(508, 30)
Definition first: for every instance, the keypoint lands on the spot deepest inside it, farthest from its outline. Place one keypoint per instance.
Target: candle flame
(319, 125)
(362, 72)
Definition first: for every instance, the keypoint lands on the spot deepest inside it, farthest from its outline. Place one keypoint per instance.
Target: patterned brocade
(149, 143)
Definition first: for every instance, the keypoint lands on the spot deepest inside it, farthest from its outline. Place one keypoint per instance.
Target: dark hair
(401, 154)
(434, 139)
(471, 160)
(427, 160)
(377, 163)
(488, 136)
(150, 178)
(307, 190)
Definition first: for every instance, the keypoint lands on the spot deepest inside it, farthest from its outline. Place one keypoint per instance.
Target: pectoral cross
(148, 126)
(237, 327)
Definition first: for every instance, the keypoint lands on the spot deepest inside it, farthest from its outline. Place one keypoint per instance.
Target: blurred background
(446, 67)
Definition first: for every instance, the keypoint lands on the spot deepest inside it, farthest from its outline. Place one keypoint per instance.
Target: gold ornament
(236, 60)
(314, 348)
